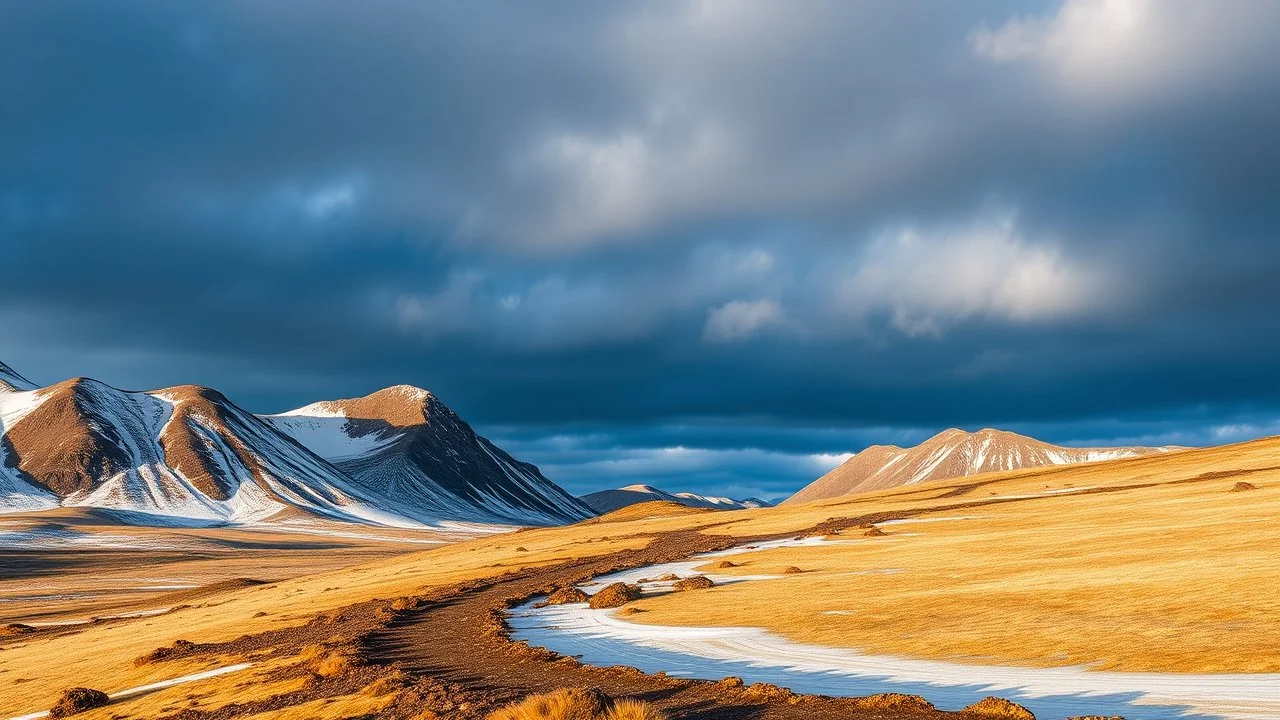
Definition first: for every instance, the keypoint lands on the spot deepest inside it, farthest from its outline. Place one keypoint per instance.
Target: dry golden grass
(34, 671)
(1171, 577)
(1179, 576)
(576, 704)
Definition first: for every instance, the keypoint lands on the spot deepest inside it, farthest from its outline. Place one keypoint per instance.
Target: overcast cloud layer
(713, 245)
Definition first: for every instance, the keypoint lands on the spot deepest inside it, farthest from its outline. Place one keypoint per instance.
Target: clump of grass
(386, 685)
(576, 704)
(405, 603)
(325, 663)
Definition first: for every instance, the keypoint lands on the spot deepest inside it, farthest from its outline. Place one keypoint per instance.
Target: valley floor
(1116, 565)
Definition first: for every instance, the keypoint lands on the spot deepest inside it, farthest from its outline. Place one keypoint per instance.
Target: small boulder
(1243, 487)
(77, 700)
(875, 532)
(615, 595)
(724, 565)
(669, 577)
(994, 707)
(567, 596)
(791, 570)
(697, 582)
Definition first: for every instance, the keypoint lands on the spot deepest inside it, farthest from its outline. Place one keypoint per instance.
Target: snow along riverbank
(601, 637)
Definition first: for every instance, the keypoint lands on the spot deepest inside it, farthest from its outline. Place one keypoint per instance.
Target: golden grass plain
(1142, 565)
(1164, 570)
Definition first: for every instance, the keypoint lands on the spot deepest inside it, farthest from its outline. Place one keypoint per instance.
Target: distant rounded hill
(950, 454)
(607, 501)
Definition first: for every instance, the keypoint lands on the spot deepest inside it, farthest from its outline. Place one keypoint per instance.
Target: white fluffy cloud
(1123, 46)
(740, 319)
(928, 280)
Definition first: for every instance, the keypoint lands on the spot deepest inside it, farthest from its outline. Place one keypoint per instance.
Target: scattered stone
(724, 565)
(615, 595)
(1243, 486)
(567, 596)
(697, 582)
(875, 532)
(77, 700)
(669, 577)
(994, 707)
(522, 549)
(791, 570)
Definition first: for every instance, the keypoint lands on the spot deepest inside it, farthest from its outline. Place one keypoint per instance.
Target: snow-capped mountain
(10, 380)
(405, 446)
(187, 454)
(610, 500)
(949, 454)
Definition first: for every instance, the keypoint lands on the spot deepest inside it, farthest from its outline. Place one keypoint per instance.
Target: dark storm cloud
(708, 244)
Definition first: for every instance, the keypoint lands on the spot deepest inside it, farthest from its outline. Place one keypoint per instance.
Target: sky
(713, 246)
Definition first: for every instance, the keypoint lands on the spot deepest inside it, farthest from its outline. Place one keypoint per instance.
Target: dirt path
(448, 656)
(459, 639)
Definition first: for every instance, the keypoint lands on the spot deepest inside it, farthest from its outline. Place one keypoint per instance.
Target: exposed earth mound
(78, 700)
(615, 595)
(697, 582)
(567, 596)
(895, 701)
(994, 707)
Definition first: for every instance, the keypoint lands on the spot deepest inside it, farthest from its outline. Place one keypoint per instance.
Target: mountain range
(949, 454)
(609, 500)
(188, 455)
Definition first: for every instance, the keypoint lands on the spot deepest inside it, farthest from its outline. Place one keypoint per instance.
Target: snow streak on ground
(144, 689)
(601, 637)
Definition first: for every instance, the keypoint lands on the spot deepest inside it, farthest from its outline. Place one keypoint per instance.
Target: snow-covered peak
(610, 500)
(10, 380)
(643, 489)
(949, 454)
(399, 405)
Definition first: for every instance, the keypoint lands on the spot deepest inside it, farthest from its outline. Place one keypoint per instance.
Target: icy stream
(601, 637)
